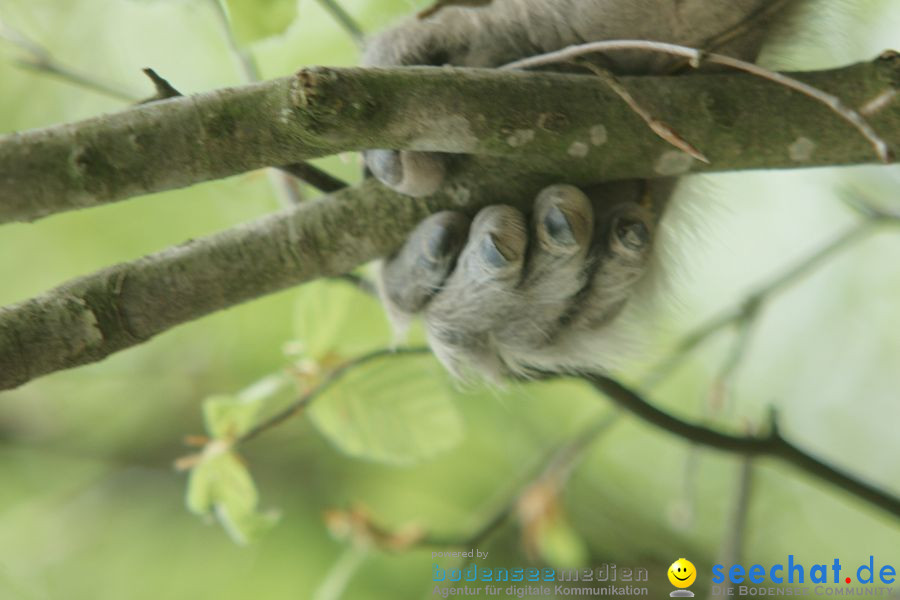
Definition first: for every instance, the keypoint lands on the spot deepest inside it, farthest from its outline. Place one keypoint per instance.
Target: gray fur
(549, 290)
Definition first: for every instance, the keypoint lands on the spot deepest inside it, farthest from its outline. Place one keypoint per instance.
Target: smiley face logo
(682, 573)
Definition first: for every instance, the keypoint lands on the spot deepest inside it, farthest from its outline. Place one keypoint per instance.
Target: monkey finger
(411, 276)
(480, 293)
(621, 258)
(555, 268)
(415, 174)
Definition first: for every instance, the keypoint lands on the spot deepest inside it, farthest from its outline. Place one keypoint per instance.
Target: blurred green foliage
(90, 507)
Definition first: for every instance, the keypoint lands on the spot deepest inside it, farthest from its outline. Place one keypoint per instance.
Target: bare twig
(244, 58)
(749, 308)
(164, 89)
(439, 5)
(311, 394)
(696, 58)
(317, 178)
(344, 20)
(552, 470)
(359, 282)
(285, 188)
(732, 549)
(771, 444)
(38, 58)
(660, 128)
(339, 575)
(744, 26)
(720, 393)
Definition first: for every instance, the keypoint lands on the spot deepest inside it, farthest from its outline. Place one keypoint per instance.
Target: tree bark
(527, 130)
(572, 126)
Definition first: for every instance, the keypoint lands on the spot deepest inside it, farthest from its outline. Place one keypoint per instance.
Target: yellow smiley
(682, 573)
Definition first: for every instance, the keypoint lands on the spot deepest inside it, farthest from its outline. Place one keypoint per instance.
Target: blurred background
(91, 506)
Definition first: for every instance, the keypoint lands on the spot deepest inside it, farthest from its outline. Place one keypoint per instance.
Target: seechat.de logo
(866, 573)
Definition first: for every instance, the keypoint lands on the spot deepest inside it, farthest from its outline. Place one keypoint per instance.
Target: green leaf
(201, 489)
(222, 485)
(396, 410)
(221, 479)
(333, 317)
(560, 546)
(254, 20)
(245, 528)
(227, 417)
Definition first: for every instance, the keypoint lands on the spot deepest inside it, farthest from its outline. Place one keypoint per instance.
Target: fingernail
(437, 244)
(491, 252)
(385, 165)
(633, 234)
(558, 226)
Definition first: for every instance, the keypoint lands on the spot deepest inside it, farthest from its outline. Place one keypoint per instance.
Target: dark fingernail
(492, 253)
(385, 165)
(437, 244)
(558, 226)
(633, 234)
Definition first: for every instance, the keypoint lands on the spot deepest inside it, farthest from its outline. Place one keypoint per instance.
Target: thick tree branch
(89, 318)
(321, 111)
(573, 127)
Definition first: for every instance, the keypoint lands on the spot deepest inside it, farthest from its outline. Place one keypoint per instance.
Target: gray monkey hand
(511, 292)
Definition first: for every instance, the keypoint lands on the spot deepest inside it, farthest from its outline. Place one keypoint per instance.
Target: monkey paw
(509, 295)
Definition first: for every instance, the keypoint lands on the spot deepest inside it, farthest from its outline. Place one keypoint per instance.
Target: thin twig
(720, 393)
(41, 60)
(696, 58)
(439, 5)
(749, 307)
(287, 190)
(660, 128)
(244, 58)
(311, 394)
(164, 89)
(339, 575)
(285, 187)
(719, 398)
(772, 444)
(748, 24)
(732, 549)
(321, 180)
(555, 468)
(344, 20)
(359, 282)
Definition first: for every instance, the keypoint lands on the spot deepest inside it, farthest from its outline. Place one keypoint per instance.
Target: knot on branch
(891, 60)
(306, 84)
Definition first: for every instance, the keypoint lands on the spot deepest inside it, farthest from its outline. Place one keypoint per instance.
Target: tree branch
(771, 444)
(544, 120)
(89, 318)
(217, 134)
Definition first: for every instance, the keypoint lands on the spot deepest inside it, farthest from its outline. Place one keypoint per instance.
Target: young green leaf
(333, 317)
(254, 20)
(559, 545)
(396, 410)
(227, 417)
(221, 485)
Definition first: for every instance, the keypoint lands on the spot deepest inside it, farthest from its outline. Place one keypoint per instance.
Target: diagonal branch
(737, 121)
(772, 444)
(89, 318)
